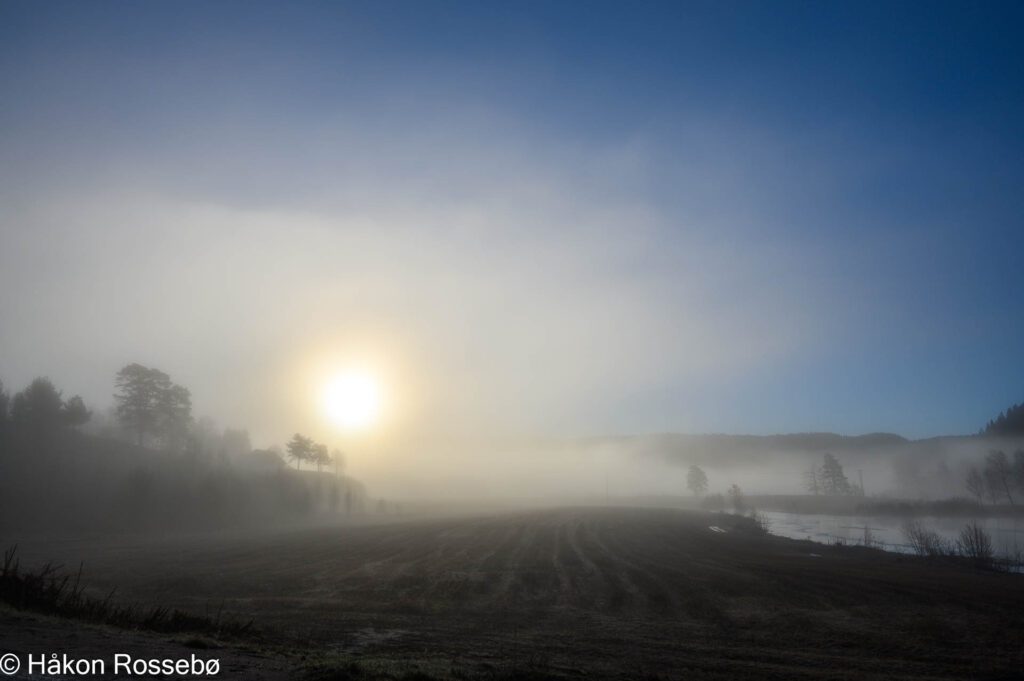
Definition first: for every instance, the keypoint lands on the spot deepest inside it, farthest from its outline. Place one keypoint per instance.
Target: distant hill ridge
(725, 449)
(811, 442)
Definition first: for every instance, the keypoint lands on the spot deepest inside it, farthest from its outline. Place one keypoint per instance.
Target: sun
(352, 400)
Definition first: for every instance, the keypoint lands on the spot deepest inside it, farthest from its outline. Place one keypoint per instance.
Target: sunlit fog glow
(352, 400)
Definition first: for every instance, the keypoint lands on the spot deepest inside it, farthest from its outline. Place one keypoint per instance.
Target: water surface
(886, 532)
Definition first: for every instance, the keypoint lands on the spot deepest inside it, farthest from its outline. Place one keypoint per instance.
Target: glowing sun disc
(352, 400)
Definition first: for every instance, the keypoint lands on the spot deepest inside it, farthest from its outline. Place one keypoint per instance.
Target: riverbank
(956, 507)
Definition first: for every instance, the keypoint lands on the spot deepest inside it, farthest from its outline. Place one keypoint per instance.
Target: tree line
(41, 408)
(148, 462)
(826, 478)
(151, 410)
(1008, 424)
(148, 405)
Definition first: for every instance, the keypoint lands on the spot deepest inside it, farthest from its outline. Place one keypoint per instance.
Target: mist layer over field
(600, 469)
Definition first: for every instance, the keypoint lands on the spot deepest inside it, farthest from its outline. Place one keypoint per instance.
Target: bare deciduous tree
(999, 475)
(975, 484)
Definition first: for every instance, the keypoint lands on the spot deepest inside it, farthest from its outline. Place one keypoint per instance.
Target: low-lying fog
(592, 469)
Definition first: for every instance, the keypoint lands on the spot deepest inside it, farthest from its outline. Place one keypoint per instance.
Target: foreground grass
(52, 591)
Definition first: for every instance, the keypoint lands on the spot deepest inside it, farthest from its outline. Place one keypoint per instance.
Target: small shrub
(925, 542)
(975, 543)
(1013, 562)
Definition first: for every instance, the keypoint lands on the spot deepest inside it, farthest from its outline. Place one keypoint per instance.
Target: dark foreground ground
(573, 593)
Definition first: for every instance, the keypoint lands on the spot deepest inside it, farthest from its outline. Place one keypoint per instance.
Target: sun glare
(352, 400)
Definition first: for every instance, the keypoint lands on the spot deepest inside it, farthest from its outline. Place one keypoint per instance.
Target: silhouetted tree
(736, 496)
(1017, 470)
(75, 413)
(320, 457)
(812, 479)
(299, 448)
(338, 457)
(975, 484)
(148, 403)
(5, 402)
(999, 475)
(348, 500)
(174, 415)
(138, 395)
(39, 407)
(833, 479)
(697, 481)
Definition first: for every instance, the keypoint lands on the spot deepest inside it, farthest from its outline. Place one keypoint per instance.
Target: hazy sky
(551, 218)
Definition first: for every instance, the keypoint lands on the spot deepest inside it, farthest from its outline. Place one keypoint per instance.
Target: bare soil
(573, 593)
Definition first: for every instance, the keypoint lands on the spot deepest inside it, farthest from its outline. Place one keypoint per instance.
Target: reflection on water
(886, 532)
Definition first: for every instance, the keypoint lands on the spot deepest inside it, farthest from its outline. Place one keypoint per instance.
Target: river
(887, 533)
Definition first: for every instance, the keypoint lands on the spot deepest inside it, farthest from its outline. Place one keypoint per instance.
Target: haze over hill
(589, 468)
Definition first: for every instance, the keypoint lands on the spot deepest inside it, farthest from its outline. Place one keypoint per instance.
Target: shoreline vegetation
(881, 506)
(810, 504)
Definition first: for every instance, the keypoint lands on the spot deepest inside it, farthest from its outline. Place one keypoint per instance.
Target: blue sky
(621, 217)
